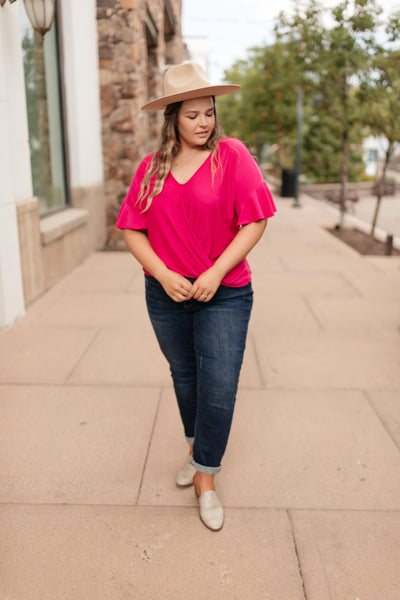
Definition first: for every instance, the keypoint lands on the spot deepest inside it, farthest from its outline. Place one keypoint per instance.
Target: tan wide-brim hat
(187, 81)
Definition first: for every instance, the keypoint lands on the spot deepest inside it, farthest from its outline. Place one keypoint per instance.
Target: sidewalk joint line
(310, 308)
(180, 506)
(125, 290)
(149, 445)
(82, 356)
(284, 265)
(291, 524)
(350, 284)
(372, 405)
(257, 361)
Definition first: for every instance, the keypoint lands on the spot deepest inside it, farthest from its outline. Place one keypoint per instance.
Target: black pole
(299, 143)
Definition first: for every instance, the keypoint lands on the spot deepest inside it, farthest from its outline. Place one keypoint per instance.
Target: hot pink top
(189, 225)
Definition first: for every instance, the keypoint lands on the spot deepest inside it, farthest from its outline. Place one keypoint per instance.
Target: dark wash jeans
(203, 343)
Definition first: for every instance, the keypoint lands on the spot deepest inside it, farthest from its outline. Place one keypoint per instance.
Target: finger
(190, 293)
(179, 297)
(203, 296)
(197, 294)
(187, 290)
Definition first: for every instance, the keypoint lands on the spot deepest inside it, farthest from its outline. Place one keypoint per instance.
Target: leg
(173, 326)
(220, 331)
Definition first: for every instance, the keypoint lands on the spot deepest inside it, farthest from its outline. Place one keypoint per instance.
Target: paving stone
(348, 555)
(386, 264)
(302, 449)
(383, 285)
(95, 309)
(287, 284)
(41, 355)
(324, 264)
(112, 274)
(356, 314)
(265, 263)
(153, 553)
(131, 356)
(74, 445)
(123, 356)
(301, 360)
(277, 313)
(115, 261)
(167, 453)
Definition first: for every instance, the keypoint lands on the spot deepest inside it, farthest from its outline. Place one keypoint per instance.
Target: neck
(191, 150)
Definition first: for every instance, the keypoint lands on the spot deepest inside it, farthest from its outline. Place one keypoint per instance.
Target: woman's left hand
(206, 285)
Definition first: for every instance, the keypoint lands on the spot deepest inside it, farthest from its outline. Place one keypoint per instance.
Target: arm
(176, 286)
(246, 238)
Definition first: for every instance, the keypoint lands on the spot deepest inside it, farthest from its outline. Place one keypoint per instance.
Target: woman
(194, 210)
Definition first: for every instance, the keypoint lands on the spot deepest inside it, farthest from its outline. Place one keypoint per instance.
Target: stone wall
(138, 39)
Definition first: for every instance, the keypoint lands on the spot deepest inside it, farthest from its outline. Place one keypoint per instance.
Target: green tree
(265, 110)
(322, 147)
(331, 59)
(381, 95)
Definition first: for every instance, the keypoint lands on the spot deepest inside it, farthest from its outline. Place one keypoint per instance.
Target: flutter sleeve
(130, 215)
(253, 200)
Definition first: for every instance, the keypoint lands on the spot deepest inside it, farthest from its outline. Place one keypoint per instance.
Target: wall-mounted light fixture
(40, 13)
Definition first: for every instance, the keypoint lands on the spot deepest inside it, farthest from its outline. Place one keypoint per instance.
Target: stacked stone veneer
(137, 40)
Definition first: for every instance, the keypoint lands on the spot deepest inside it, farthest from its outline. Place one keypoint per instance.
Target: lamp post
(299, 143)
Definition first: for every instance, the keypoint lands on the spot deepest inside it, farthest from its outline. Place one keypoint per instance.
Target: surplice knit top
(189, 225)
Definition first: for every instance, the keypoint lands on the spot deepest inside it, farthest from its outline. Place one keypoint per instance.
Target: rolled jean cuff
(207, 470)
(190, 440)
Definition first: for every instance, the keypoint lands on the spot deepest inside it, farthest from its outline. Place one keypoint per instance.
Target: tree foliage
(333, 58)
(265, 110)
(380, 92)
(328, 52)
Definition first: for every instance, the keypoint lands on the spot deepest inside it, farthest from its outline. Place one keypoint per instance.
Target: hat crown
(185, 82)
(185, 77)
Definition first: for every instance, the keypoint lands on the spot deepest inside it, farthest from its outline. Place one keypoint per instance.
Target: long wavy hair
(167, 148)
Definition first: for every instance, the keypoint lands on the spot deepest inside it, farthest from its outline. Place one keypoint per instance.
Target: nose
(203, 120)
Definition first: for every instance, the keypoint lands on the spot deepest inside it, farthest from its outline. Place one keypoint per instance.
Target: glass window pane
(43, 99)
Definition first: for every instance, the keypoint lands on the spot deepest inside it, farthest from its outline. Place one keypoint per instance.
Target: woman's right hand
(176, 286)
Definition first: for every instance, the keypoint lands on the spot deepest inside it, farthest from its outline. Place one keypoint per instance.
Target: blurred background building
(196, 49)
(71, 132)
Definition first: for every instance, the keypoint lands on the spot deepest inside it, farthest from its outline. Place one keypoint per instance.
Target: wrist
(219, 270)
(160, 272)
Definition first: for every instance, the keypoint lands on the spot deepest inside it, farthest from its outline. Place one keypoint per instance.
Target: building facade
(71, 133)
(138, 41)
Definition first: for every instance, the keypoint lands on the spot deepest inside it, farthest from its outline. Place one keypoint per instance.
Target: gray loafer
(211, 510)
(186, 473)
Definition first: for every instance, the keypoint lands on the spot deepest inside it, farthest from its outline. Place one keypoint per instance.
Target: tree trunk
(343, 176)
(381, 188)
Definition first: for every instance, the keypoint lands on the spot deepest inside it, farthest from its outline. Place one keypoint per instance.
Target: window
(43, 97)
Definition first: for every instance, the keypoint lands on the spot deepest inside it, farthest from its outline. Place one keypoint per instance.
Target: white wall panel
(82, 91)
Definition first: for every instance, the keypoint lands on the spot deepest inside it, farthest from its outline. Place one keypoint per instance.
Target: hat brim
(212, 90)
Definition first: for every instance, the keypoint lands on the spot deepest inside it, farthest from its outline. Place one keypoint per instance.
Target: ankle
(203, 482)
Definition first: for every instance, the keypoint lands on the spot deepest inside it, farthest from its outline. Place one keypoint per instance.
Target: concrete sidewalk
(91, 440)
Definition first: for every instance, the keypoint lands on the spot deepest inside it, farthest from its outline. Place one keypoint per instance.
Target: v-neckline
(193, 174)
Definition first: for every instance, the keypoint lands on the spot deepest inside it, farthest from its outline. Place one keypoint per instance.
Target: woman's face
(196, 121)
